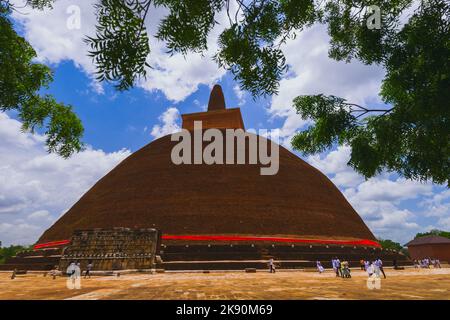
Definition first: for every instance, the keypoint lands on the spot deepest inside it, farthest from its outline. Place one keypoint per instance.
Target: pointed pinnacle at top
(216, 99)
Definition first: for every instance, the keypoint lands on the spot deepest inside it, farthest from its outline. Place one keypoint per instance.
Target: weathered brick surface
(114, 249)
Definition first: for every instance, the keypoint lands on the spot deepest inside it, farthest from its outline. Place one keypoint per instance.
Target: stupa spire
(217, 116)
(216, 99)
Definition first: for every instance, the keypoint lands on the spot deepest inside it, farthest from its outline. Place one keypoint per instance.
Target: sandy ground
(404, 284)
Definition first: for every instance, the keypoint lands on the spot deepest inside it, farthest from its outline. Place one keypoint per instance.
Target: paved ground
(406, 284)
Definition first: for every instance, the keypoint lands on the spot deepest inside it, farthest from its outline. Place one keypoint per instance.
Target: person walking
(271, 266)
(370, 270)
(88, 270)
(362, 264)
(319, 266)
(366, 265)
(379, 264)
(333, 265)
(338, 268)
(345, 270)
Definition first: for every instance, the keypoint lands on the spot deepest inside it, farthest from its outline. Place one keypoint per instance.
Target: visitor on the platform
(422, 263)
(54, 272)
(437, 263)
(379, 264)
(376, 269)
(88, 270)
(362, 264)
(70, 271)
(345, 270)
(366, 265)
(370, 269)
(333, 265)
(319, 267)
(337, 267)
(74, 276)
(271, 266)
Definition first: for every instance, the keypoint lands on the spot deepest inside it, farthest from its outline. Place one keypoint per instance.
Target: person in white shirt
(338, 267)
(74, 273)
(271, 266)
(319, 267)
(379, 264)
(370, 269)
(376, 269)
(333, 265)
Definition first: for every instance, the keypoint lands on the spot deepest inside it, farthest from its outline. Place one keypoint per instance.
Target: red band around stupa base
(360, 242)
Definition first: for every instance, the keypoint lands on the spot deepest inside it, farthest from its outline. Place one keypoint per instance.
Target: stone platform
(242, 256)
(115, 249)
(111, 249)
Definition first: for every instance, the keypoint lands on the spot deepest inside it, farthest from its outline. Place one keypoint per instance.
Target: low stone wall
(113, 249)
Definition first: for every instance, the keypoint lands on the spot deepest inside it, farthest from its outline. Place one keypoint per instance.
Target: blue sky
(114, 120)
(38, 187)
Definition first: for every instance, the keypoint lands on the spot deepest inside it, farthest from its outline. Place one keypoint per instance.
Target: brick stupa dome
(147, 190)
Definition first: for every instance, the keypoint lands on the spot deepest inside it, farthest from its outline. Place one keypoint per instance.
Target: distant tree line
(11, 251)
(389, 244)
(434, 232)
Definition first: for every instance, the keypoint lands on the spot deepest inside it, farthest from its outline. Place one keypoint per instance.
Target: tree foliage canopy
(11, 251)
(410, 136)
(20, 82)
(389, 244)
(413, 136)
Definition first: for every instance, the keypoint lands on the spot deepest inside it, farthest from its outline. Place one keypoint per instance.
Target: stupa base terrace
(209, 215)
(125, 249)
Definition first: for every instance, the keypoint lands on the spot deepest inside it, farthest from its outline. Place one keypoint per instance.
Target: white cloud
(54, 42)
(383, 189)
(177, 76)
(313, 72)
(37, 187)
(169, 124)
(444, 223)
(438, 205)
(389, 205)
(40, 215)
(240, 94)
(19, 233)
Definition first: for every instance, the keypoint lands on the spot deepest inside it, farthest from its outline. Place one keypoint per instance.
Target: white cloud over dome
(168, 123)
(37, 187)
(393, 207)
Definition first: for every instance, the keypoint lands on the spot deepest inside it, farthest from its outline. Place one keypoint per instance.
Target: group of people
(342, 269)
(373, 267)
(426, 263)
